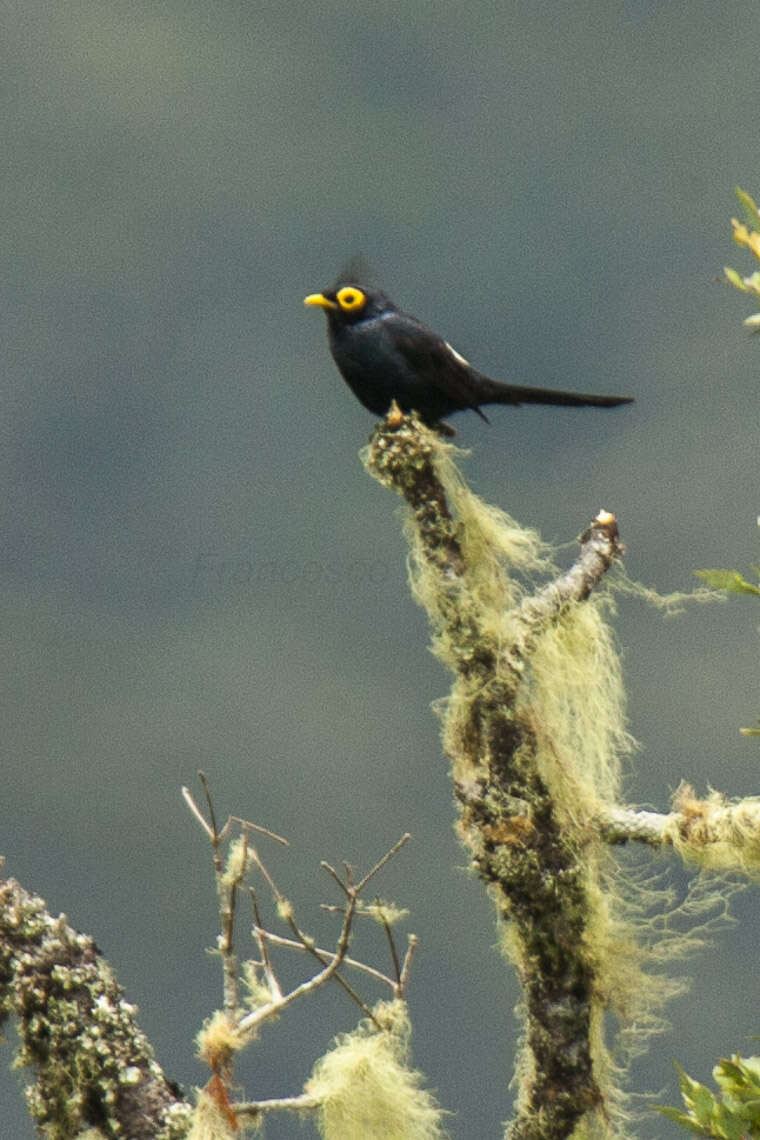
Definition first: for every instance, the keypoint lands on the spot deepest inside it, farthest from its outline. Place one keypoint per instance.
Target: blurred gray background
(196, 572)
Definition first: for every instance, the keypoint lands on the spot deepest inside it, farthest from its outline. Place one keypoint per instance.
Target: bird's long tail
(498, 393)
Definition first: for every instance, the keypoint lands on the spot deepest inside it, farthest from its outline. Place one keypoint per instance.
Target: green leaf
(689, 1087)
(749, 209)
(751, 1111)
(735, 278)
(751, 1066)
(706, 1106)
(681, 1118)
(731, 1126)
(728, 580)
(729, 1074)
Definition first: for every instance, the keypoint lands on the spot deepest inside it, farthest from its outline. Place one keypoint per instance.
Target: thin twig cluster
(236, 1026)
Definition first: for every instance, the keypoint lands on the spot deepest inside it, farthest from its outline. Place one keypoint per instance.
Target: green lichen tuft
(366, 1088)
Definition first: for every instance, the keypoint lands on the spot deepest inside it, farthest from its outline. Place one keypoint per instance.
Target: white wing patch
(457, 355)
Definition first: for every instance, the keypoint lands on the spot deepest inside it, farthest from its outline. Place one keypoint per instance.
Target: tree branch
(257, 1108)
(712, 832)
(509, 819)
(94, 1067)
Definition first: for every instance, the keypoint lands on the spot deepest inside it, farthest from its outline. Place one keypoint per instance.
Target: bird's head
(346, 304)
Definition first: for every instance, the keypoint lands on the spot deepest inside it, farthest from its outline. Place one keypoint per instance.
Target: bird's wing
(434, 361)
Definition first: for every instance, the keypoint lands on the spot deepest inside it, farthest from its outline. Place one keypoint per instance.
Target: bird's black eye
(350, 299)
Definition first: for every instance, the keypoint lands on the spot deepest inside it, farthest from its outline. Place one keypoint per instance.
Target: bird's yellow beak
(320, 300)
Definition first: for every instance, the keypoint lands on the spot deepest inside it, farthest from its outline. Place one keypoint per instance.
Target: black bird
(384, 354)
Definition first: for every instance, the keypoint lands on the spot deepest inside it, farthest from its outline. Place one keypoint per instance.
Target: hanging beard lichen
(366, 1088)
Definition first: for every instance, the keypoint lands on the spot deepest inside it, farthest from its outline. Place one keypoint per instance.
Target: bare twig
(211, 831)
(403, 980)
(227, 886)
(204, 781)
(246, 823)
(227, 890)
(331, 871)
(296, 944)
(331, 964)
(381, 862)
(226, 894)
(262, 941)
(391, 946)
(330, 961)
(250, 1021)
(256, 1108)
(188, 798)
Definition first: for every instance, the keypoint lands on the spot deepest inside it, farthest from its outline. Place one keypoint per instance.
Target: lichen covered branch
(523, 819)
(712, 832)
(93, 1066)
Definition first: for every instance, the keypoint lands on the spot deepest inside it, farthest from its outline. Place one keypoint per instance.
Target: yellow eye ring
(350, 299)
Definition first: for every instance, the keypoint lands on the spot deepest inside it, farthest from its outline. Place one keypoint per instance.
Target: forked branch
(227, 1033)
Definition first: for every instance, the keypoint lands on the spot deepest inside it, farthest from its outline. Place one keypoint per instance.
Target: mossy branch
(510, 819)
(94, 1068)
(711, 832)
